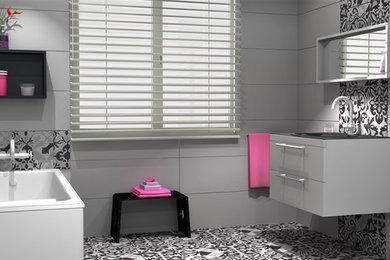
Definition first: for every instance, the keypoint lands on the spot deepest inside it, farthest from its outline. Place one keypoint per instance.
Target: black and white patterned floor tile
(278, 241)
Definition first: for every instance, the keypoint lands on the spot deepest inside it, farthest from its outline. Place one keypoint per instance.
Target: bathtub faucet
(12, 156)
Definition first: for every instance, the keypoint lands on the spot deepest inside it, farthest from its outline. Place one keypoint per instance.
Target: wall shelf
(338, 60)
(24, 66)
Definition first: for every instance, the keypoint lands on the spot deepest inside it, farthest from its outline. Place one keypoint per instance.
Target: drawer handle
(284, 176)
(291, 146)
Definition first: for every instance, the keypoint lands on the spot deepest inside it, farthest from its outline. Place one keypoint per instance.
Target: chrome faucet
(12, 156)
(351, 127)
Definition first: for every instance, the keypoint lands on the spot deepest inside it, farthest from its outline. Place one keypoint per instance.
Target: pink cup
(3, 83)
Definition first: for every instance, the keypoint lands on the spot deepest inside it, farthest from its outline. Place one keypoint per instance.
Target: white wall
(212, 173)
(316, 18)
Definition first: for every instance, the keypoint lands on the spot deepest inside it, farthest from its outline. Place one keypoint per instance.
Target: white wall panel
(268, 66)
(51, 113)
(317, 100)
(118, 150)
(318, 23)
(270, 6)
(269, 101)
(42, 30)
(57, 70)
(57, 5)
(263, 31)
(305, 6)
(103, 178)
(213, 174)
(232, 209)
(307, 66)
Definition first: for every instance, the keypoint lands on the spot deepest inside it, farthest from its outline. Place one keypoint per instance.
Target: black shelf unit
(24, 66)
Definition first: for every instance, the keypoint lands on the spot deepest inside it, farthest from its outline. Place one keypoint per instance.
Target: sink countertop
(333, 136)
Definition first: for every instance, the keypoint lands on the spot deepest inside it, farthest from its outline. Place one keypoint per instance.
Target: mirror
(360, 54)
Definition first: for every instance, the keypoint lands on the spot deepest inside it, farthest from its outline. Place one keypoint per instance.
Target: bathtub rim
(74, 201)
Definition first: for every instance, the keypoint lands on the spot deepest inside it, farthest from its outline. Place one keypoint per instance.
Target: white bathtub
(41, 218)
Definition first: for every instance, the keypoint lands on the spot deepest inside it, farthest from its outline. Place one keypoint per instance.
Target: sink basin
(330, 136)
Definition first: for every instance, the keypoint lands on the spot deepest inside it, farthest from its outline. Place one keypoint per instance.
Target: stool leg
(183, 215)
(116, 218)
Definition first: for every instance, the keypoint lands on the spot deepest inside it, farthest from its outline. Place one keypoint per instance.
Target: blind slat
(183, 137)
(151, 107)
(104, 14)
(148, 115)
(148, 84)
(191, 122)
(155, 99)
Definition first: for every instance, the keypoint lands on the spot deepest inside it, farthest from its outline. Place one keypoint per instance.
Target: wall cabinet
(24, 67)
(331, 177)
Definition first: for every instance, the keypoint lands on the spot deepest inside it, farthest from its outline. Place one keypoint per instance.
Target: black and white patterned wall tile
(275, 241)
(355, 14)
(370, 105)
(370, 99)
(50, 149)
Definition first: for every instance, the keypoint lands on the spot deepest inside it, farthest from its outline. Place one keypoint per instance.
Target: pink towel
(162, 191)
(150, 196)
(150, 179)
(259, 150)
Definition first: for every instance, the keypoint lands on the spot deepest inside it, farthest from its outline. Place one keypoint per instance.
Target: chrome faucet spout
(12, 156)
(12, 148)
(351, 126)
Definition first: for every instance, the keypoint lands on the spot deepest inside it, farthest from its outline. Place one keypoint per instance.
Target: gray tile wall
(316, 18)
(212, 173)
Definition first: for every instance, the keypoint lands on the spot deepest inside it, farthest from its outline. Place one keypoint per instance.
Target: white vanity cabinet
(331, 177)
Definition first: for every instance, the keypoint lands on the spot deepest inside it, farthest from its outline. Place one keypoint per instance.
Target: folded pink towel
(155, 183)
(150, 196)
(150, 187)
(140, 191)
(150, 179)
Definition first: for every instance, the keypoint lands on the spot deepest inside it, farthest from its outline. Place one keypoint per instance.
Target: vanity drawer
(298, 192)
(297, 159)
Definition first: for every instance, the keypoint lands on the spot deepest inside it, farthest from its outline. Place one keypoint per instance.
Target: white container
(27, 89)
(40, 218)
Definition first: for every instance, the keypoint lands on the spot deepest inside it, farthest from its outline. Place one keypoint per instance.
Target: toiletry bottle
(3, 82)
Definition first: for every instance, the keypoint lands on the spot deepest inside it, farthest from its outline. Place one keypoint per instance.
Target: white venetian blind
(154, 69)
(361, 55)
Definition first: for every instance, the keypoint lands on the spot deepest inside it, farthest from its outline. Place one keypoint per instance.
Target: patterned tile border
(51, 149)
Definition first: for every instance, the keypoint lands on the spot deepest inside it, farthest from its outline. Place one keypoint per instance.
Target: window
(154, 69)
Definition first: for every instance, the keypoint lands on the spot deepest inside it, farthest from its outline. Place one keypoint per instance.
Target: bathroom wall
(370, 99)
(316, 18)
(212, 173)
(40, 126)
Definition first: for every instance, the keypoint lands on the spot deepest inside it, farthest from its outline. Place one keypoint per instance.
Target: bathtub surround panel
(370, 105)
(55, 234)
(370, 99)
(50, 149)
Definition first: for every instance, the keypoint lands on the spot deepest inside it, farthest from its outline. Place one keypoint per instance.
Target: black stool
(183, 212)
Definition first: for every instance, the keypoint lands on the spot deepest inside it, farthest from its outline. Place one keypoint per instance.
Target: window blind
(361, 55)
(154, 69)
